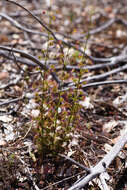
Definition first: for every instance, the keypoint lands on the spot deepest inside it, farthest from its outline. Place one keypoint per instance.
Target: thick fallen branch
(95, 84)
(27, 61)
(102, 165)
(99, 29)
(99, 77)
(102, 27)
(24, 13)
(11, 101)
(32, 58)
(112, 62)
(17, 25)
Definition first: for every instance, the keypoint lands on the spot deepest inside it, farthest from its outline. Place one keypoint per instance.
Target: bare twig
(27, 61)
(95, 84)
(102, 165)
(34, 16)
(76, 163)
(100, 76)
(102, 27)
(17, 25)
(98, 29)
(11, 101)
(32, 58)
(112, 62)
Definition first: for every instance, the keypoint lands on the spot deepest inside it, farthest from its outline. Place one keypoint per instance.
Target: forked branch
(102, 165)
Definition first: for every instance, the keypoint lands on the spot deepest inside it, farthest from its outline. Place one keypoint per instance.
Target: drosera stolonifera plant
(59, 110)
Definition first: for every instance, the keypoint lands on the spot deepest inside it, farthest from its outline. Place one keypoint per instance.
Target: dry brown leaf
(3, 38)
(4, 75)
(108, 9)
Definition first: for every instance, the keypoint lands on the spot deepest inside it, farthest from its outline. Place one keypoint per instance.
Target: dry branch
(38, 20)
(32, 58)
(27, 61)
(11, 101)
(100, 76)
(17, 25)
(100, 28)
(102, 165)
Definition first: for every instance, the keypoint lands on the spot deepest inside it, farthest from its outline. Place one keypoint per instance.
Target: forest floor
(92, 36)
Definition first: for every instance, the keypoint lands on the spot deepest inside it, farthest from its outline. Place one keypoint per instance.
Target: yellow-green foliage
(59, 114)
